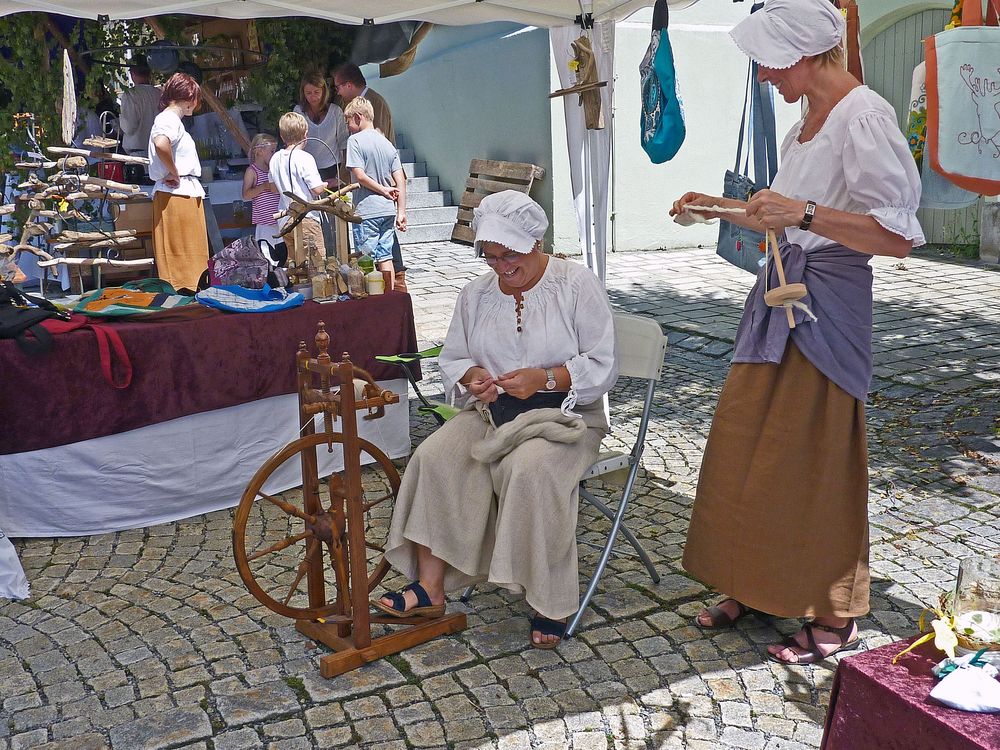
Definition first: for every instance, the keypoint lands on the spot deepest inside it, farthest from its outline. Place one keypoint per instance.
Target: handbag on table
(740, 246)
(963, 100)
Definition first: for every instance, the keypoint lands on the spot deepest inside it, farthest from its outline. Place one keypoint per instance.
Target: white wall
(475, 92)
(711, 72)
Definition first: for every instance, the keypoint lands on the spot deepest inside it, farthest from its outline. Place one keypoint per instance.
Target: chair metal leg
(625, 531)
(612, 536)
(467, 594)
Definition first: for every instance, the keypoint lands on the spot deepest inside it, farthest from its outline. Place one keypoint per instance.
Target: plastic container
(374, 282)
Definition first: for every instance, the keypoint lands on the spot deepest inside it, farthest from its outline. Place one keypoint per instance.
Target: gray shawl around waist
(839, 342)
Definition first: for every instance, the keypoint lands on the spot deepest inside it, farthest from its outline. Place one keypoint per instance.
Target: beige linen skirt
(511, 522)
(780, 517)
(180, 239)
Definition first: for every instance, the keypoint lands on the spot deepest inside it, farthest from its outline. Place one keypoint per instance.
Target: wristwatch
(550, 379)
(807, 218)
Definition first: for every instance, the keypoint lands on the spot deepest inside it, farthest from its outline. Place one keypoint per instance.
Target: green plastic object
(366, 264)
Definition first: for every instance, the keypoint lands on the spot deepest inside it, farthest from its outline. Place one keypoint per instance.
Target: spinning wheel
(328, 532)
(278, 535)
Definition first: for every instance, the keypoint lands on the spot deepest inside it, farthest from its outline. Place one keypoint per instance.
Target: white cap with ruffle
(784, 31)
(511, 219)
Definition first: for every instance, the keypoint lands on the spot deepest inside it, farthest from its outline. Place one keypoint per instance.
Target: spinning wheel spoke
(368, 506)
(300, 574)
(288, 507)
(278, 546)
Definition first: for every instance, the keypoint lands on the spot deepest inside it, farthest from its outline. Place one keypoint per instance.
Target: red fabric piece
(105, 336)
(186, 366)
(875, 704)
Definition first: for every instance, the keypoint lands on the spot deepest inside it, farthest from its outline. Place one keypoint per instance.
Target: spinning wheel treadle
(327, 533)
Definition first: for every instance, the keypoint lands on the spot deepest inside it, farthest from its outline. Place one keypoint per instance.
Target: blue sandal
(423, 608)
(546, 626)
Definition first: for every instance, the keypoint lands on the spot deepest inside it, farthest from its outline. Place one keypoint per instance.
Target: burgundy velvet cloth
(876, 704)
(185, 362)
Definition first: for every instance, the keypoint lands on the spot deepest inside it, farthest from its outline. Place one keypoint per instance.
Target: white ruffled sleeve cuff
(901, 221)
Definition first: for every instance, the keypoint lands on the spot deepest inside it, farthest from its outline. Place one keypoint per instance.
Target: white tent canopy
(546, 13)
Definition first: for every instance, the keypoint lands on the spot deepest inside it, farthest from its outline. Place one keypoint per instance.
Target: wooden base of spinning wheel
(416, 630)
(330, 516)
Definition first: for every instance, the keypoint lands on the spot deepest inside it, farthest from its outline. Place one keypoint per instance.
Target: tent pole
(588, 206)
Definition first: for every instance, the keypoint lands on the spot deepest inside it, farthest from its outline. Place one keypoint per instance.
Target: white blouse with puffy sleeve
(857, 162)
(565, 320)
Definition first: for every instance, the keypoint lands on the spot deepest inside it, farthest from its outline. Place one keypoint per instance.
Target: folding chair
(641, 347)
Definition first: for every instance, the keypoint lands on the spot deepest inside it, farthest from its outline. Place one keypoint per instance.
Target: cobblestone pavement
(148, 639)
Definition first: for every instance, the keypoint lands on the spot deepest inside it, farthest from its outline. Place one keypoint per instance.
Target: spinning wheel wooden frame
(343, 623)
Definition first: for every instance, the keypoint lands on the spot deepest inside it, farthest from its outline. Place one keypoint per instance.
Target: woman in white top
(780, 519)
(326, 122)
(180, 236)
(486, 497)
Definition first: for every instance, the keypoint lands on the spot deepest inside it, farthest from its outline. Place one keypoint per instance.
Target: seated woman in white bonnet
(492, 495)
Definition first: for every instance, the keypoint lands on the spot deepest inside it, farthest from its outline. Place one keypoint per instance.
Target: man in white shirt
(139, 107)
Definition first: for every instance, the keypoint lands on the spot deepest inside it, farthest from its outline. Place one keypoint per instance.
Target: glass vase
(977, 605)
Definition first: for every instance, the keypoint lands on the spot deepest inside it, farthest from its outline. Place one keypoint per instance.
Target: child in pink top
(263, 195)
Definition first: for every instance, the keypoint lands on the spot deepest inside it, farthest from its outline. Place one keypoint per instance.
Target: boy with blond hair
(381, 199)
(294, 170)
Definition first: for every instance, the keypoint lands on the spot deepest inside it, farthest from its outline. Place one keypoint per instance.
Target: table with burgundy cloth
(876, 705)
(212, 397)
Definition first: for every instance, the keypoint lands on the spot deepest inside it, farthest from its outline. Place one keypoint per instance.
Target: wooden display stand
(55, 200)
(344, 624)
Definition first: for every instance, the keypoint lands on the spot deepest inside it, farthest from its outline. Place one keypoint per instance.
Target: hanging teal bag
(662, 120)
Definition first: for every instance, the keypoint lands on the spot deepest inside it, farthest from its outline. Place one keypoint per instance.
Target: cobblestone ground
(148, 639)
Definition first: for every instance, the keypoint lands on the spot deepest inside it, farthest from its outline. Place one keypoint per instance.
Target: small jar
(375, 282)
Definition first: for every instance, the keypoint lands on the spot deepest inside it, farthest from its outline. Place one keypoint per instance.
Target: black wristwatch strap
(807, 217)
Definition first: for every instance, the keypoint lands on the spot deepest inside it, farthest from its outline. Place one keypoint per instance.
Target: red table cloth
(880, 706)
(185, 362)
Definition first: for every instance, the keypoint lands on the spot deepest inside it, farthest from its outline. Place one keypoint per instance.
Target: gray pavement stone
(148, 638)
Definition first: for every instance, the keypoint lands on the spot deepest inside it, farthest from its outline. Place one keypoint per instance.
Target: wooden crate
(487, 176)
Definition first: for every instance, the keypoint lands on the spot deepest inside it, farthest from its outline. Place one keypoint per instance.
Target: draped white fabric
(589, 150)
(544, 13)
(184, 467)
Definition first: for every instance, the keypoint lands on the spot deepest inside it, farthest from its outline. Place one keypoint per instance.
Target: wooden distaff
(784, 294)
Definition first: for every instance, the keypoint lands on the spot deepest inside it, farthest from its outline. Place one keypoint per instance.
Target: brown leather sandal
(813, 653)
(720, 618)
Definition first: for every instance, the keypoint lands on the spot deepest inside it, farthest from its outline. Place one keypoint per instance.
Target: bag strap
(39, 342)
(744, 117)
(661, 15)
(107, 335)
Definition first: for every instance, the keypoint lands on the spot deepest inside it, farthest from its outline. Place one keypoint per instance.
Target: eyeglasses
(508, 258)
(338, 85)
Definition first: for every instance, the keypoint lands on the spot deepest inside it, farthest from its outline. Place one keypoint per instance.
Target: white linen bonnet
(511, 219)
(784, 31)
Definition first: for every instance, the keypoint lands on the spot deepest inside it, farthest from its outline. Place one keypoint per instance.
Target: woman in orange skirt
(180, 236)
(780, 519)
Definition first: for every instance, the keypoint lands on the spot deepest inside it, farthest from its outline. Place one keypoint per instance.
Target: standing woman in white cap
(780, 519)
(492, 495)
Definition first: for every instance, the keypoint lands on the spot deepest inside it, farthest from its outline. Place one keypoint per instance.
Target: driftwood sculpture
(276, 550)
(301, 257)
(587, 85)
(54, 199)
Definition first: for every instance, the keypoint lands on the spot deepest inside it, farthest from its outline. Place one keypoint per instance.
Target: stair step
(415, 169)
(405, 154)
(428, 200)
(421, 184)
(426, 233)
(436, 215)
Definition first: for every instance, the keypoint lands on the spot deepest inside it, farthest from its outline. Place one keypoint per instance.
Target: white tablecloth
(168, 471)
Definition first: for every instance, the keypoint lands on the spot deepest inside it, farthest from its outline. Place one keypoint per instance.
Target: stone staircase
(430, 215)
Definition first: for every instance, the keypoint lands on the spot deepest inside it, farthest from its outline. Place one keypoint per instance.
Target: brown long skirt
(180, 239)
(780, 518)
